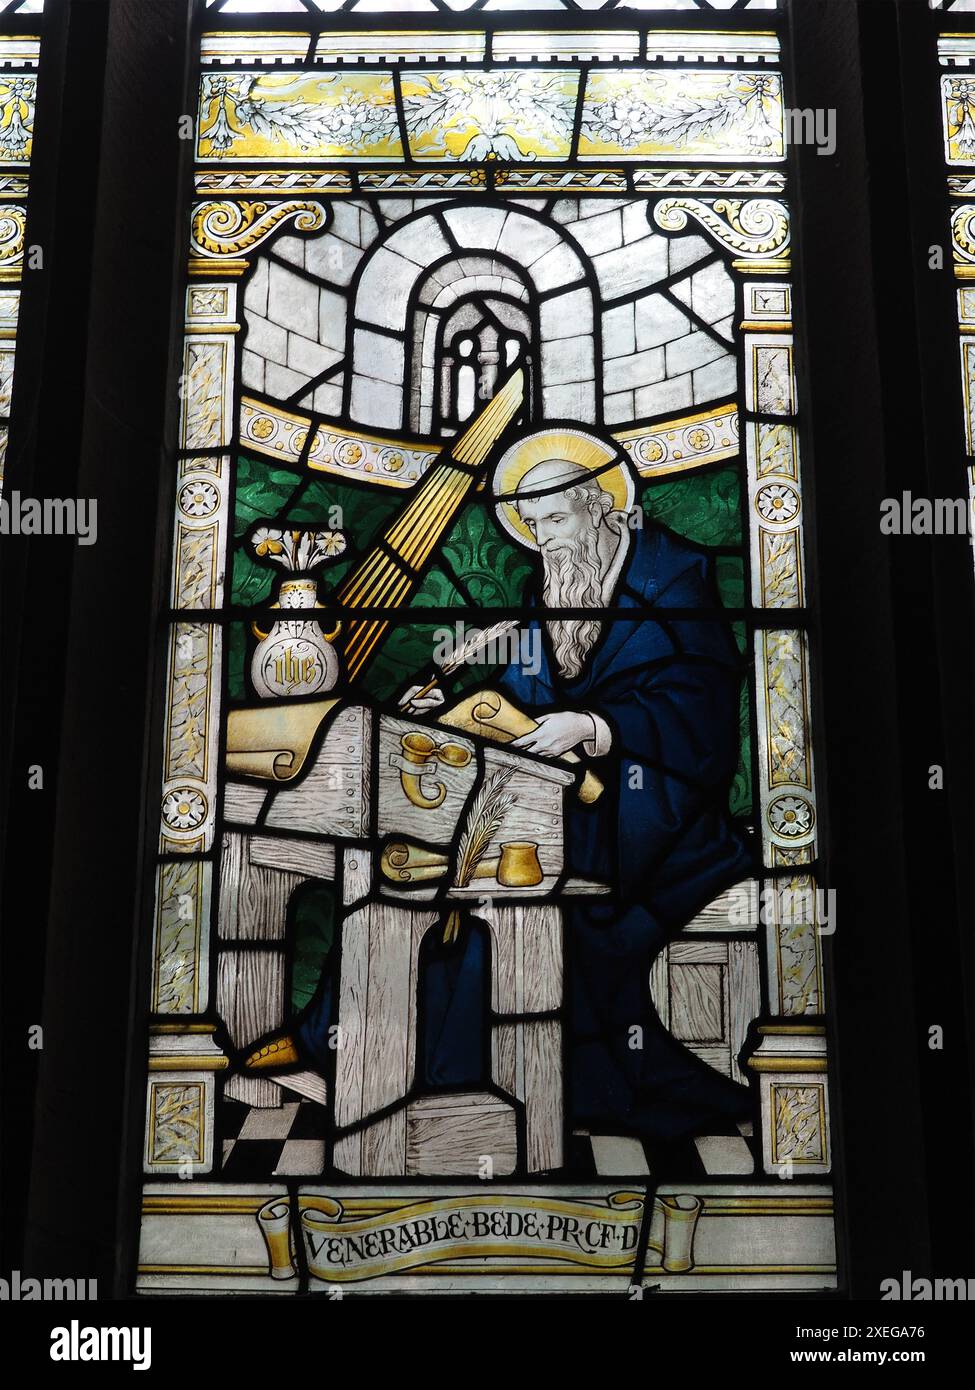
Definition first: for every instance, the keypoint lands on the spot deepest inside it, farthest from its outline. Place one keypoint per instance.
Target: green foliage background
(314, 931)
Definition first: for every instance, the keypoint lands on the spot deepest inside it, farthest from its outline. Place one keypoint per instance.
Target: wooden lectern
(411, 819)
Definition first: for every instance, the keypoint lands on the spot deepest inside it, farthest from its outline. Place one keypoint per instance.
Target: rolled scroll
(273, 741)
(489, 714)
(274, 1220)
(405, 863)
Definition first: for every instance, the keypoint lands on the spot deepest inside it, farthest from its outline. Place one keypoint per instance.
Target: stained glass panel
(19, 57)
(487, 947)
(458, 6)
(955, 54)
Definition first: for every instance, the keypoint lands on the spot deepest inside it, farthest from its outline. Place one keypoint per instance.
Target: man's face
(556, 522)
(567, 532)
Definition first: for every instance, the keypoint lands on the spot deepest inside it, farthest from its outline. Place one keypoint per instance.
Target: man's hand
(558, 733)
(433, 699)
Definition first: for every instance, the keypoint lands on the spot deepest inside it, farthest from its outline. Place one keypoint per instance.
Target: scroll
(273, 741)
(492, 716)
(349, 1239)
(405, 863)
(672, 1226)
(274, 1219)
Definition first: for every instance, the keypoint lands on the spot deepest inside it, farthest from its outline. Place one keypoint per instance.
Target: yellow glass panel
(675, 114)
(523, 113)
(252, 115)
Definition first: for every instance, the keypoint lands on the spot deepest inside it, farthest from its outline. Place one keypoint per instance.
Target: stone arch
(451, 284)
(463, 352)
(428, 261)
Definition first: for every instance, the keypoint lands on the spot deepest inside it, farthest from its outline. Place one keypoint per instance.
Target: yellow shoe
(279, 1052)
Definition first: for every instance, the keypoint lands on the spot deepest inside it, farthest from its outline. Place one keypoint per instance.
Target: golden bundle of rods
(379, 580)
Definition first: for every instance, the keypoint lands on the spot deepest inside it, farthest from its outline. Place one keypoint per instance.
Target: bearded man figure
(640, 678)
(647, 694)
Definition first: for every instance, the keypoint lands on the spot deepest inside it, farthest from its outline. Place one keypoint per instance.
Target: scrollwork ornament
(963, 232)
(747, 227)
(231, 229)
(12, 233)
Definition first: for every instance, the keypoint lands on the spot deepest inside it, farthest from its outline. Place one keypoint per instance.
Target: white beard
(573, 579)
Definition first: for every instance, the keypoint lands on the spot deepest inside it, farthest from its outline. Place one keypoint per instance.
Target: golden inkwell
(519, 866)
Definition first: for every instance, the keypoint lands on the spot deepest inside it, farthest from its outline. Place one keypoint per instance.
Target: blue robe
(668, 687)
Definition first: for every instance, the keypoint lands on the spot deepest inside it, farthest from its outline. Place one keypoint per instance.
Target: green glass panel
(405, 653)
(364, 510)
(253, 583)
(731, 580)
(314, 931)
(740, 796)
(262, 492)
(704, 507)
(492, 567)
(235, 652)
(437, 591)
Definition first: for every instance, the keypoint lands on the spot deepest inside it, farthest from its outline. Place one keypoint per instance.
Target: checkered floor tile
(283, 1141)
(289, 1141)
(708, 1156)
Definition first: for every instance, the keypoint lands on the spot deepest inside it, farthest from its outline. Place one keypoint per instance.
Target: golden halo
(575, 445)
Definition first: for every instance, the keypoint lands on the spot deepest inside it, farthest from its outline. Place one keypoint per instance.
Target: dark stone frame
(894, 680)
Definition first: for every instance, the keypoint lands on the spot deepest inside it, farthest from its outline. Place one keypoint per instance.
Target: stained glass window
(487, 948)
(955, 52)
(19, 56)
(318, 7)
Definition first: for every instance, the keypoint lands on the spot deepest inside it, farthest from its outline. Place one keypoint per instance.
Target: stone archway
(428, 263)
(477, 341)
(469, 291)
